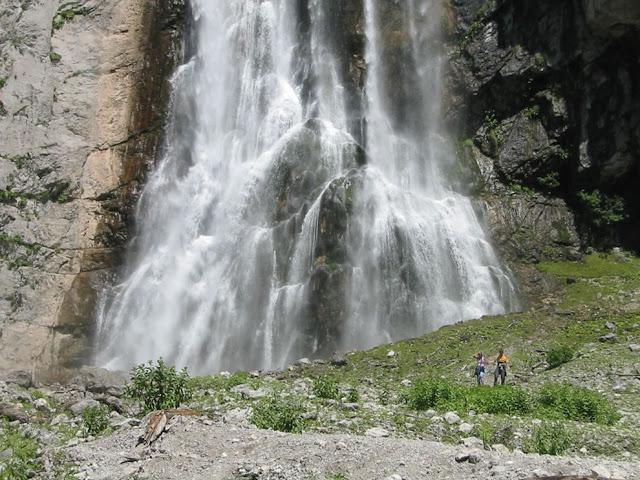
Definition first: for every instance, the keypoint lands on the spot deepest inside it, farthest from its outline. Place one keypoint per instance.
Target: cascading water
(266, 233)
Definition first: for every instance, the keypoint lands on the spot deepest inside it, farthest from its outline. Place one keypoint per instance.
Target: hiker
(501, 368)
(480, 367)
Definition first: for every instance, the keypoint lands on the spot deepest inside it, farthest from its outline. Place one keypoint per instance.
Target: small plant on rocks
(549, 438)
(326, 387)
(95, 419)
(559, 355)
(22, 462)
(159, 386)
(352, 395)
(278, 414)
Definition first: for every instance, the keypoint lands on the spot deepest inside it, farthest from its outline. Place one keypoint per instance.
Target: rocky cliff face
(545, 97)
(83, 86)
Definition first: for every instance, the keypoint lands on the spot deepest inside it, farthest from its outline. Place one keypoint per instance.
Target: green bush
(425, 394)
(159, 386)
(353, 395)
(549, 438)
(325, 387)
(492, 434)
(22, 462)
(575, 403)
(442, 395)
(95, 419)
(506, 400)
(278, 414)
(601, 209)
(559, 355)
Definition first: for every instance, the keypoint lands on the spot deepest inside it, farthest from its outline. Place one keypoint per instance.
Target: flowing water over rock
(296, 212)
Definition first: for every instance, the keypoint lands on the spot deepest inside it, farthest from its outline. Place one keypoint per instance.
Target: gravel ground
(197, 448)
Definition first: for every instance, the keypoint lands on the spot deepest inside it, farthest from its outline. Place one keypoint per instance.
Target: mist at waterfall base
(294, 213)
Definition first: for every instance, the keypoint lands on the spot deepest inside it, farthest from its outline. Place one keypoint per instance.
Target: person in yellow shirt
(501, 368)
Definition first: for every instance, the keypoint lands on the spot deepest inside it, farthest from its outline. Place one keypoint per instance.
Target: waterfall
(294, 212)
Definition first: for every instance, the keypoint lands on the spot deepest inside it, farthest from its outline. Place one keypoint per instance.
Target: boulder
(13, 413)
(100, 380)
(451, 418)
(377, 432)
(82, 405)
(247, 392)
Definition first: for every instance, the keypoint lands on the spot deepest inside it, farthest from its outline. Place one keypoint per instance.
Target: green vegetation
(55, 57)
(492, 127)
(601, 209)
(550, 181)
(279, 414)
(22, 463)
(95, 419)
(559, 355)
(532, 112)
(552, 401)
(575, 403)
(158, 386)
(3, 81)
(337, 476)
(326, 387)
(549, 438)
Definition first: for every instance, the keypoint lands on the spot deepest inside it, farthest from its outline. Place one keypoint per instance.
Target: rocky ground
(196, 448)
(354, 411)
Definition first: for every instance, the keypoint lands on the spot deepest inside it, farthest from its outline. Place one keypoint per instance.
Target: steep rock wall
(83, 87)
(545, 96)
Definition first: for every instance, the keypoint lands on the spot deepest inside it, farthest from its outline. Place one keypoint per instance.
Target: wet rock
(338, 360)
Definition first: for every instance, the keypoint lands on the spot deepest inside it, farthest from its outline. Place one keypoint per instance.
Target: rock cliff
(83, 87)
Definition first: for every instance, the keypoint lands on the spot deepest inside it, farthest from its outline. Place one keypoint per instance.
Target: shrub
(506, 400)
(159, 386)
(277, 414)
(602, 210)
(22, 462)
(352, 395)
(549, 438)
(325, 387)
(490, 434)
(425, 394)
(559, 355)
(95, 419)
(574, 403)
